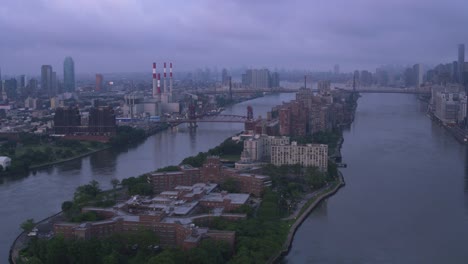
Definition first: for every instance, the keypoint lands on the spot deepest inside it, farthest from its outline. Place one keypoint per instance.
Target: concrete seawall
(292, 231)
(22, 240)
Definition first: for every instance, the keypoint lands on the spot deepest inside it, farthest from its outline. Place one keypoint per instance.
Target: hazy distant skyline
(128, 35)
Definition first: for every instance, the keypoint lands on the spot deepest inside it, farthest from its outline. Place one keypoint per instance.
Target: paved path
(304, 200)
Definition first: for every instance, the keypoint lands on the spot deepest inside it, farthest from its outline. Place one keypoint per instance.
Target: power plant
(159, 103)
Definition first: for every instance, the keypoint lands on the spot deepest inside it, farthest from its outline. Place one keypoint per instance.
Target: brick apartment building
(211, 171)
(67, 121)
(171, 233)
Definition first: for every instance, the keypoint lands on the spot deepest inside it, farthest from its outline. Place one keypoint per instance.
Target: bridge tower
(354, 82)
(249, 113)
(192, 115)
(230, 88)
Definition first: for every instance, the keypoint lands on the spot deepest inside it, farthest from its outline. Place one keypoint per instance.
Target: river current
(406, 193)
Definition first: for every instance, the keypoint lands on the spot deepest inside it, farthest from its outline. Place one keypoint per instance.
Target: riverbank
(460, 134)
(45, 165)
(22, 241)
(304, 213)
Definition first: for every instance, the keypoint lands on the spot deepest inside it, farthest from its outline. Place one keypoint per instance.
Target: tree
(169, 168)
(115, 183)
(28, 225)
(67, 205)
(166, 257)
(112, 258)
(87, 192)
(57, 251)
(231, 185)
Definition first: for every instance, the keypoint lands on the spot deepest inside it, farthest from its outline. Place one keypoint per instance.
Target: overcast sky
(127, 35)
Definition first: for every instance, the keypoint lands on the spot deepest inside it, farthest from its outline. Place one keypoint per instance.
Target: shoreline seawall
(294, 227)
(22, 239)
(40, 166)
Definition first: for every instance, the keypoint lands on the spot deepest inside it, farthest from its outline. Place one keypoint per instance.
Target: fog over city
(127, 35)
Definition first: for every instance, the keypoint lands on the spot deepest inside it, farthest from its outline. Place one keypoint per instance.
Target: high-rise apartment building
(69, 75)
(461, 62)
(46, 80)
(102, 121)
(54, 89)
(418, 71)
(306, 155)
(260, 79)
(11, 88)
(67, 120)
(274, 80)
(336, 69)
(32, 85)
(99, 82)
(21, 81)
(224, 77)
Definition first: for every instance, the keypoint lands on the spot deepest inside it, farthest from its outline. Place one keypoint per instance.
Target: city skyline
(117, 36)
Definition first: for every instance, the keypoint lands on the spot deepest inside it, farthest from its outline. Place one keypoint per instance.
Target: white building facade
(310, 155)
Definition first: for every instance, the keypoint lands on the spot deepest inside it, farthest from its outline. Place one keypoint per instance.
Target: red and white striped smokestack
(154, 80)
(170, 79)
(170, 70)
(159, 84)
(164, 80)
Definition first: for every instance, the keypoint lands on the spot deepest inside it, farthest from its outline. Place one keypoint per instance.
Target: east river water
(406, 193)
(40, 195)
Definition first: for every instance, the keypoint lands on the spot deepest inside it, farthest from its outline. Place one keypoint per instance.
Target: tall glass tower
(69, 75)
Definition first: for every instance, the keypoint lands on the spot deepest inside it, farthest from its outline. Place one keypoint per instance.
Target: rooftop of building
(235, 198)
(197, 188)
(257, 176)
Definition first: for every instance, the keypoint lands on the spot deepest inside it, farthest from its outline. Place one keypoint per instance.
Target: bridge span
(359, 90)
(209, 119)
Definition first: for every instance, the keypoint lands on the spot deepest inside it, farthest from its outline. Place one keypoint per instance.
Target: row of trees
(329, 138)
(138, 185)
(261, 236)
(88, 195)
(293, 181)
(127, 135)
(228, 147)
(123, 249)
(31, 150)
(118, 248)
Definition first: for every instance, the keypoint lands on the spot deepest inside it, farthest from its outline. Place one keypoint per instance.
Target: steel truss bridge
(359, 90)
(209, 119)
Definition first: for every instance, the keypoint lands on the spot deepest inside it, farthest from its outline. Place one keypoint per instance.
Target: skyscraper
(418, 71)
(69, 75)
(99, 81)
(11, 88)
(54, 88)
(454, 71)
(274, 80)
(46, 80)
(461, 62)
(224, 76)
(256, 78)
(21, 81)
(336, 69)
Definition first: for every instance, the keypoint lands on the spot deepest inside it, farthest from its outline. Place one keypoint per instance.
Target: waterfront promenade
(308, 205)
